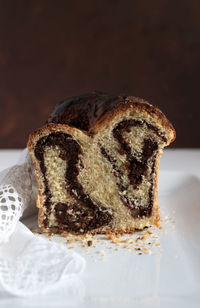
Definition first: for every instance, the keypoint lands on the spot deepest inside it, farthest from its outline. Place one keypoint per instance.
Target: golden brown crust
(90, 111)
(138, 105)
(46, 129)
(93, 232)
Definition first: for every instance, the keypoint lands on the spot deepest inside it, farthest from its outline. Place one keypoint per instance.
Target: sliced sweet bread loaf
(96, 163)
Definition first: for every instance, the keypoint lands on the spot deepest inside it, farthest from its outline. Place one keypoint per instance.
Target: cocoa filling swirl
(85, 215)
(136, 169)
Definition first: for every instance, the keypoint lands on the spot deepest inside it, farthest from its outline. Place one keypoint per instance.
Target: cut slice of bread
(99, 174)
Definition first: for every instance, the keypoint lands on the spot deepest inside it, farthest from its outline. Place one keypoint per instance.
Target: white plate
(169, 277)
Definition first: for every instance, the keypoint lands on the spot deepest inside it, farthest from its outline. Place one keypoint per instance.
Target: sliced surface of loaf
(96, 163)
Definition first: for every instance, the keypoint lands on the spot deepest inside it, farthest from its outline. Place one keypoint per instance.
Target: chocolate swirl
(85, 215)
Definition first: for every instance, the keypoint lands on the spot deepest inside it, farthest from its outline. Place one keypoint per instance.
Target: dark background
(50, 50)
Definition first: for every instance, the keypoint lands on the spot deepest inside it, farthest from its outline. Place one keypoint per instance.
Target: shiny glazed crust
(111, 106)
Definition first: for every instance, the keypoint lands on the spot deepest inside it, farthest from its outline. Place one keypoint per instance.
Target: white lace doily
(11, 208)
(17, 193)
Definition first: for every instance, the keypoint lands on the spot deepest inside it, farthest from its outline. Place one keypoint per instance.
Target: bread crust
(139, 106)
(102, 108)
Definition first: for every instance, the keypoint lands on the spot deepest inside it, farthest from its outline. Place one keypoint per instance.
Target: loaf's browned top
(83, 111)
(86, 110)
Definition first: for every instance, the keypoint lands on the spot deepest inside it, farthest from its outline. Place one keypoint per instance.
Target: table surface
(181, 160)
